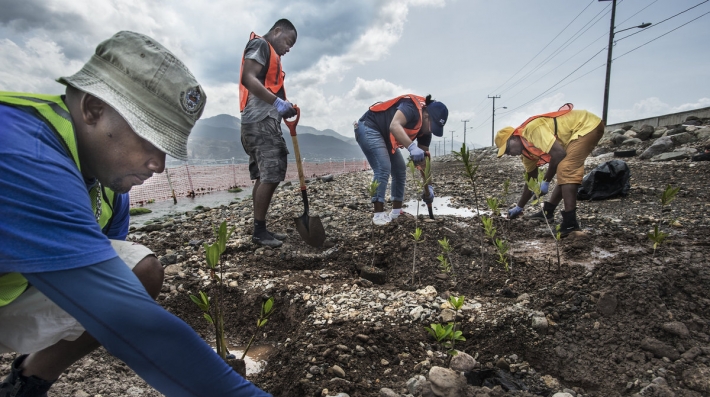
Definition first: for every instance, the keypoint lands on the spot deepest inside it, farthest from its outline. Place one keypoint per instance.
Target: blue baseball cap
(438, 113)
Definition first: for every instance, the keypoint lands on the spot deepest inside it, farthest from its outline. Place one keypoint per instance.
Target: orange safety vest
(531, 151)
(419, 102)
(274, 81)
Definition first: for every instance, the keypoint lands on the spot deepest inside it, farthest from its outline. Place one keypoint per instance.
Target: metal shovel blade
(309, 227)
(311, 230)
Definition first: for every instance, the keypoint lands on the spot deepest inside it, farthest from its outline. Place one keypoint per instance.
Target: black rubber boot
(549, 210)
(17, 385)
(569, 222)
(263, 237)
(278, 236)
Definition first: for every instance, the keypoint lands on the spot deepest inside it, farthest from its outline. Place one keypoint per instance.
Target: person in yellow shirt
(563, 140)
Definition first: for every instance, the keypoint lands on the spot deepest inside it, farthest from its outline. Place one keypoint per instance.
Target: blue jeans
(113, 306)
(383, 163)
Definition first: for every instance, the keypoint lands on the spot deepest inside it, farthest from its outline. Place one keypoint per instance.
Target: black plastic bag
(608, 180)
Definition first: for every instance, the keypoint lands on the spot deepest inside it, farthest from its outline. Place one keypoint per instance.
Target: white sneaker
(394, 216)
(381, 218)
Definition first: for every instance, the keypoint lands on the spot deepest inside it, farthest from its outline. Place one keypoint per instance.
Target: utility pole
(643, 25)
(493, 123)
(464, 130)
(444, 144)
(452, 140)
(608, 62)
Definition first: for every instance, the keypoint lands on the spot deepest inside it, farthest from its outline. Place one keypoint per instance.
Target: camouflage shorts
(266, 147)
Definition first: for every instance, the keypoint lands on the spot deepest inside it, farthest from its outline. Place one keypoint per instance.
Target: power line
(554, 85)
(481, 105)
(634, 49)
(563, 46)
(637, 12)
(692, 20)
(656, 24)
(547, 45)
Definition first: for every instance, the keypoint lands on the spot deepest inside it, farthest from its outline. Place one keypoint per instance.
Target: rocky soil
(615, 318)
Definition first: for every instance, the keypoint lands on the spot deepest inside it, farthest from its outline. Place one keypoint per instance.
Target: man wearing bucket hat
(563, 140)
(68, 283)
(383, 130)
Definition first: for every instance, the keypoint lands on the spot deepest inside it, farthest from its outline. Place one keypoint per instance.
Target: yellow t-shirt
(541, 132)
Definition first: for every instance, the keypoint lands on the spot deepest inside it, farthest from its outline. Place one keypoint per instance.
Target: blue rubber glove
(544, 187)
(514, 212)
(285, 108)
(428, 198)
(416, 153)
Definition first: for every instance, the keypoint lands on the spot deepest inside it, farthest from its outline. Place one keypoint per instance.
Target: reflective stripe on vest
(54, 113)
(419, 102)
(274, 80)
(530, 151)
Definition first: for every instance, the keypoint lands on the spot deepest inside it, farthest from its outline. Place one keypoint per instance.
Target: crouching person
(68, 283)
(563, 140)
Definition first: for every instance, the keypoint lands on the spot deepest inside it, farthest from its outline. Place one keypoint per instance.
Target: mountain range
(219, 138)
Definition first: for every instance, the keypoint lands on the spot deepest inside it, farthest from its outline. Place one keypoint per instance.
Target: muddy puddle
(255, 359)
(441, 206)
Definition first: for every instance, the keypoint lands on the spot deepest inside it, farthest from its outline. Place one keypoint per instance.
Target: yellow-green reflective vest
(52, 110)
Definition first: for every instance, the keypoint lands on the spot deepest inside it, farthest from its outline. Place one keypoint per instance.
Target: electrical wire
(479, 107)
(564, 45)
(656, 24)
(555, 85)
(543, 48)
(658, 37)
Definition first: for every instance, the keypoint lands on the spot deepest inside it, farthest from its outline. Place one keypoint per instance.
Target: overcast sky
(535, 54)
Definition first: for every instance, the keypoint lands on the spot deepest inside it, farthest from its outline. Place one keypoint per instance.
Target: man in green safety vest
(68, 280)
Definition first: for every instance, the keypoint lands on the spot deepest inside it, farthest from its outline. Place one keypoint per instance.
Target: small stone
(337, 371)
(540, 324)
(676, 328)
(462, 362)
(385, 392)
(698, 379)
(660, 349)
(606, 305)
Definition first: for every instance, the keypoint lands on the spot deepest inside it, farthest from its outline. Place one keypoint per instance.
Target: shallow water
(167, 207)
(440, 206)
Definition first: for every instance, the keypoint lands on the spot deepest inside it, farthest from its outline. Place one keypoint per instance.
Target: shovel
(309, 227)
(426, 192)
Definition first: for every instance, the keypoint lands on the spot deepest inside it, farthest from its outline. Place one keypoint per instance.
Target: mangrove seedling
(421, 185)
(447, 264)
(417, 235)
(488, 227)
(372, 191)
(444, 264)
(447, 335)
(215, 312)
(657, 236)
(267, 309)
(502, 247)
(470, 171)
(534, 186)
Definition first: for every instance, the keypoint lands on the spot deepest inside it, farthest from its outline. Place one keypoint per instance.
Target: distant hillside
(219, 137)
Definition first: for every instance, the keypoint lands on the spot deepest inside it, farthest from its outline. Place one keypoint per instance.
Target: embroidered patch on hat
(192, 100)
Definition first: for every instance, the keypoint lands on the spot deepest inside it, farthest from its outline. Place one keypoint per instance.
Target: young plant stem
(534, 184)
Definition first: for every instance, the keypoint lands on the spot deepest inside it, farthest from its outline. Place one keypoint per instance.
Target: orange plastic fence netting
(188, 180)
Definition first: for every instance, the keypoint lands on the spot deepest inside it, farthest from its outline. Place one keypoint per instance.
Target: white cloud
(34, 67)
(651, 107)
